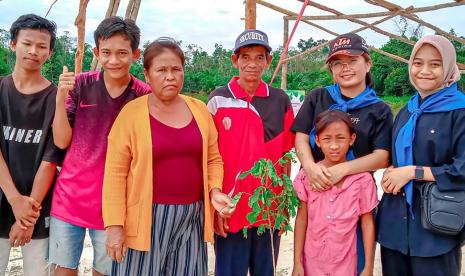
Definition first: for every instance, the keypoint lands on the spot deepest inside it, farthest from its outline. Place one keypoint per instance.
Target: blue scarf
(446, 99)
(366, 98)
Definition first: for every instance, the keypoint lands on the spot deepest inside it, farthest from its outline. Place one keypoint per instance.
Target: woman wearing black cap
(349, 63)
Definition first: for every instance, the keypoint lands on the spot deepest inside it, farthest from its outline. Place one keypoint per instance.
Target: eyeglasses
(338, 65)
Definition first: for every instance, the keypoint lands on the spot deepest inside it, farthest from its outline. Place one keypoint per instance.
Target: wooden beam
(392, 7)
(379, 14)
(384, 4)
(250, 14)
(290, 13)
(374, 28)
(284, 67)
(318, 47)
(348, 16)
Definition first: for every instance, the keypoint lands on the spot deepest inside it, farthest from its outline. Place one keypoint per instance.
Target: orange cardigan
(128, 179)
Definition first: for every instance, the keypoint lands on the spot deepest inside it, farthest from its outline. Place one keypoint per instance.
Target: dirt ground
(284, 267)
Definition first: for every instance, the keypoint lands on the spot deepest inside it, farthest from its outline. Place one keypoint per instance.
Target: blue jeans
(67, 241)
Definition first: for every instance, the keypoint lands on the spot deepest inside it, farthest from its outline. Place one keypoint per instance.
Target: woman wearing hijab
(428, 145)
(349, 63)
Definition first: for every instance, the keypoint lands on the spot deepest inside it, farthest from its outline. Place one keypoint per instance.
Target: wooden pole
(80, 23)
(250, 14)
(284, 67)
(112, 8)
(132, 10)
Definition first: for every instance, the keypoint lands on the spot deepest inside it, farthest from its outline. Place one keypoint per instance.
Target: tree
(304, 45)
(391, 76)
(5, 54)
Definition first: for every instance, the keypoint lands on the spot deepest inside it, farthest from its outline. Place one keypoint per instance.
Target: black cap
(347, 44)
(252, 37)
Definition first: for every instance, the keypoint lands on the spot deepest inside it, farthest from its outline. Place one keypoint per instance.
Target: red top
(177, 163)
(249, 128)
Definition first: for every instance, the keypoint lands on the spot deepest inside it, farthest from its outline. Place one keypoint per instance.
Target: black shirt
(373, 123)
(26, 141)
(440, 144)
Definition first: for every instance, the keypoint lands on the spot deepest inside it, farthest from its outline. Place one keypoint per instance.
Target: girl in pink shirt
(325, 227)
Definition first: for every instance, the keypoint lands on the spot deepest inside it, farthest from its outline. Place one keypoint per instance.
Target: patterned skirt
(177, 246)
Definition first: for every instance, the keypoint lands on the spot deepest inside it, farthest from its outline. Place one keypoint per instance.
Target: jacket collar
(239, 93)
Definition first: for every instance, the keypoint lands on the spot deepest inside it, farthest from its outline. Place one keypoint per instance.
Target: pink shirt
(330, 240)
(77, 197)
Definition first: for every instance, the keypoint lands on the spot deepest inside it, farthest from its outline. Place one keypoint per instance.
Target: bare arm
(368, 232)
(299, 238)
(318, 176)
(43, 180)
(22, 205)
(6, 184)
(302, 147)
(41, 185)
(62, 131)
(376, 160)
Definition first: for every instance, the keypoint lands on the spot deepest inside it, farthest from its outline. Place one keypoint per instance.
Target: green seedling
(274, 211)
(235, 200)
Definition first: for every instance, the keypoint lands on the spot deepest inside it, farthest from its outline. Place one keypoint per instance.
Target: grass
(198, 95)
(396, 103)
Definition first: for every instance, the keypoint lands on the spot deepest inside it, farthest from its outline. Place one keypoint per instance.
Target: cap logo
(251, 35)
(341, 41)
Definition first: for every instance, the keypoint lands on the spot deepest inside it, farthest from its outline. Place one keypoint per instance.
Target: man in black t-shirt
(28, 157)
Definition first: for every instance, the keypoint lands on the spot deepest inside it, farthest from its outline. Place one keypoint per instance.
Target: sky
(206, 22)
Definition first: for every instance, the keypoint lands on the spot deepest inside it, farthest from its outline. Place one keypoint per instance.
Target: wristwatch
(419, 173)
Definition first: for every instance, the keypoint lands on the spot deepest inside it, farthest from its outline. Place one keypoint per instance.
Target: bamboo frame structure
(393, 10)
(80, 23)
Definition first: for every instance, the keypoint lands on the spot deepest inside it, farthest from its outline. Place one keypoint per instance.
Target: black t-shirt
(373, 123)
(26, 141)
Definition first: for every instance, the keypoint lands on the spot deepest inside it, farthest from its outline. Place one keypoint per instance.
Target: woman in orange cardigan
(163, 175)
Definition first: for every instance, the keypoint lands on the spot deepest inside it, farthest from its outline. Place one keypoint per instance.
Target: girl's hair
(160, 45)
(325, 118)
(368, 77)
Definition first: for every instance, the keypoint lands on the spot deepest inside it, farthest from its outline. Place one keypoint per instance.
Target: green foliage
(396, 103)
(391, 76)
(4, 68)
(275, 209)
(204, 72)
